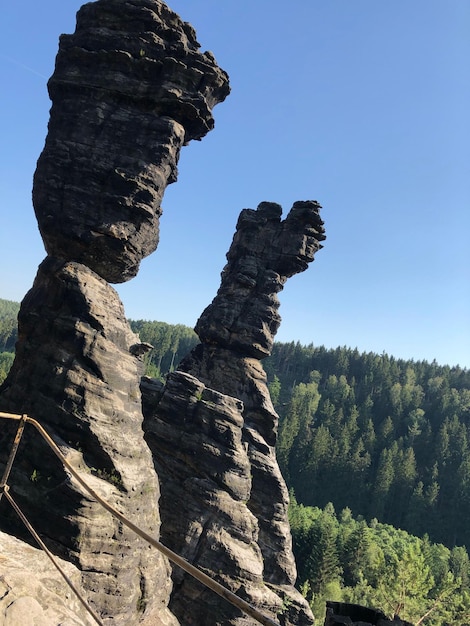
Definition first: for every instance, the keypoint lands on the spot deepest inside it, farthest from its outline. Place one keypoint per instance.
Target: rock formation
(129, 89)
(212, 430)
(33, 593)
(74, 372)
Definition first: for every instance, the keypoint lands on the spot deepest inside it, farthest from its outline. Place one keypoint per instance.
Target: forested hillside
(382, 441)
(171, 343)
(376, 565)
(387, 438)
(8, 334)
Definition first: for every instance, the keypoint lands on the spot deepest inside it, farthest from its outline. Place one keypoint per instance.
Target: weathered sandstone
(228, 458)
(32, 592)
(75, 373)
(130, 87)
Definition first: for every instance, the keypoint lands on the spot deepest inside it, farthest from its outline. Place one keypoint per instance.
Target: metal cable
(42, 545)
(196, 573)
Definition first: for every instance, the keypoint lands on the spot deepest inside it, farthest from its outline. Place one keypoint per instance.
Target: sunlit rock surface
(130, 87)
(215, 463)
(75, 373)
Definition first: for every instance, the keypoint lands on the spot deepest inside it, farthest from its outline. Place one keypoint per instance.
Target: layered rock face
(74, 372)
(129, 89)
(220, 465)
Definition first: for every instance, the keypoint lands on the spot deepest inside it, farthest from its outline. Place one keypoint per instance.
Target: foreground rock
(130, 87)
(223, 470)
(32, 592)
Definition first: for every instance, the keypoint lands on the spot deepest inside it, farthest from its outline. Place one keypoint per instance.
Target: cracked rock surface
(130, 88)
(218, 408)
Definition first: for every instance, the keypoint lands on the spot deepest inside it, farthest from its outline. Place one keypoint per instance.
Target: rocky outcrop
(236, 331)
(32, 592)
(220, 464)
(265, 252)
(130, 87)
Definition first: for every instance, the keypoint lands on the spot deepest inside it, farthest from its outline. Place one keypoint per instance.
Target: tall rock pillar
(237, 330)
(233, 463)
(130, 88)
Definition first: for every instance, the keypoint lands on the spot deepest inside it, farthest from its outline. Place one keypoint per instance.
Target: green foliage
(6, 361)
(345, 559)
(8, 335)
(8, 325)
(387, 438)
(8, 309)
(170, 344)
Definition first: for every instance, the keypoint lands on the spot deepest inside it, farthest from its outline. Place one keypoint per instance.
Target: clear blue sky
(363, 106)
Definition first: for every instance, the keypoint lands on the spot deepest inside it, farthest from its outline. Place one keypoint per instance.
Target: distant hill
(385, 437)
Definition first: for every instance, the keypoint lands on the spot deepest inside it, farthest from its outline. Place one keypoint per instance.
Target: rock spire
(130, 88)
(212, 428)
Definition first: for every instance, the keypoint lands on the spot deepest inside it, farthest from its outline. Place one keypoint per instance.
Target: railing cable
(13, 451)
(196, 573)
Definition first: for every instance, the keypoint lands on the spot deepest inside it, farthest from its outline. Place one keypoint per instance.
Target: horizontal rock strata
(236, 331)
(195, 437)
(82, 384)
(265, 252)
(130, 87)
